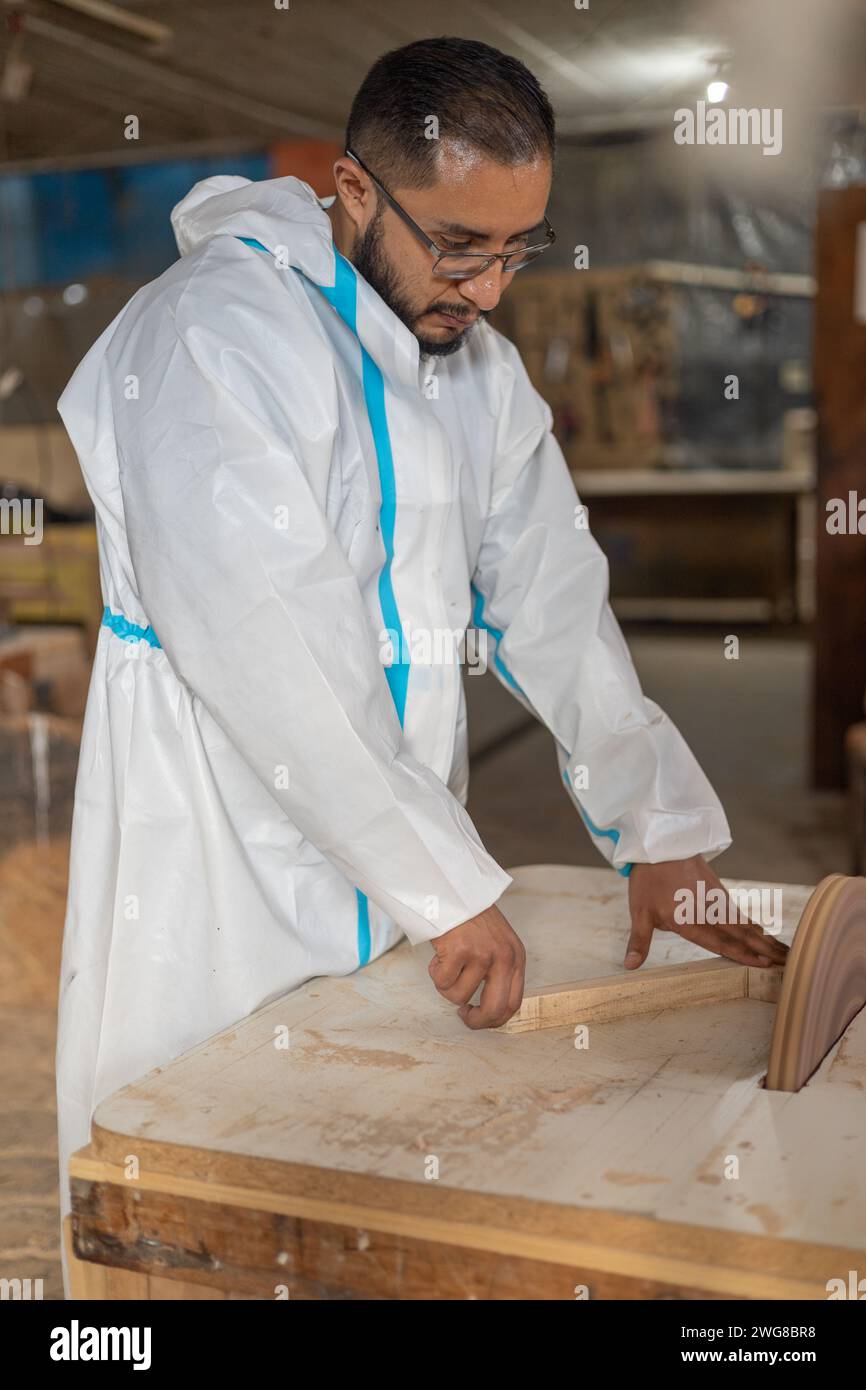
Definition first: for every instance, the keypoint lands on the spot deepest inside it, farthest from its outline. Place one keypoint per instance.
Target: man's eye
(455, 245)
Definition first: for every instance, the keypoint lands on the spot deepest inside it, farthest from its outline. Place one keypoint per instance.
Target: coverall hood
(282, 214)
(285, 218)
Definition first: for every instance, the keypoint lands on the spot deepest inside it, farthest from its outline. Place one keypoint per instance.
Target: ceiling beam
(106, 13)
(213, 93)
(118, 158)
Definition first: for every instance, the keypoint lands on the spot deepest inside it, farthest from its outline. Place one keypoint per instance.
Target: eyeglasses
(462, 265)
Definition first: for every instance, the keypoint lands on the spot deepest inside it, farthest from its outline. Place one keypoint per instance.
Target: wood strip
(171, 1290)
(763, 983)
(618, 996)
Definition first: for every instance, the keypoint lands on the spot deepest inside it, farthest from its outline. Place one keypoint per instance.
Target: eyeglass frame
(487, 257)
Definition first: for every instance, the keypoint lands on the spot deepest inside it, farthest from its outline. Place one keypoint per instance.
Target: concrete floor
(746, 721)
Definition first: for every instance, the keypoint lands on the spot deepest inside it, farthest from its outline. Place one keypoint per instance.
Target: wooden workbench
(296, 1155)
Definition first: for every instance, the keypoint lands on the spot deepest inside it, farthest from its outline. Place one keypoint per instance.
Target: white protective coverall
(279, 480)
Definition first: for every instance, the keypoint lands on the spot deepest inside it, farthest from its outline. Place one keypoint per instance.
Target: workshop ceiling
(223, 74)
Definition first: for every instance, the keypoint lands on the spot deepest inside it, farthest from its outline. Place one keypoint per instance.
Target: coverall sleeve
(261, 616)
(541, 592)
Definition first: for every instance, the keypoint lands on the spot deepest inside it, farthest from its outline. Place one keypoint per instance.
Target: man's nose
(484, 290)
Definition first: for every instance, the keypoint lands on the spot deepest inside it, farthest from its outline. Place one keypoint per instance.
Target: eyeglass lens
(453, 264)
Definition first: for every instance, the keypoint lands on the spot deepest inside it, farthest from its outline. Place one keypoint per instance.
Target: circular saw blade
(824, 981)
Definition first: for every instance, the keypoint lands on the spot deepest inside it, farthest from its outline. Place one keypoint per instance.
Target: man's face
(475, 205)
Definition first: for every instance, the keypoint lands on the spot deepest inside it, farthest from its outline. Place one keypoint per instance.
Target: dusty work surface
(379, 1076)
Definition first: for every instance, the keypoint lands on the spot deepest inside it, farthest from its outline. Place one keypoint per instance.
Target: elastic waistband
(129, 631)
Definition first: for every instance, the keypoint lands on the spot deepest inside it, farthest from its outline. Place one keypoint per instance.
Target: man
(303, 441)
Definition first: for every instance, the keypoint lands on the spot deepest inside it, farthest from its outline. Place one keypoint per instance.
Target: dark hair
(478, 95)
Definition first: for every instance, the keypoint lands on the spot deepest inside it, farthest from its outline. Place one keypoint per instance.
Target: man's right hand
(484, 948)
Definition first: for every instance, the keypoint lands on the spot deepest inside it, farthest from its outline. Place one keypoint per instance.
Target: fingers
(502, 994)
(639, 940)
(743, 940)
(767, 947)
(483, 951)
(445, 971)
(492, 1008)
(750, 946)
(746, 945)
(466, 981)
(518, 981)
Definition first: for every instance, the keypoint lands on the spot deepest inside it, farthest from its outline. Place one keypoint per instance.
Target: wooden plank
(421, 1243)
(639, 992)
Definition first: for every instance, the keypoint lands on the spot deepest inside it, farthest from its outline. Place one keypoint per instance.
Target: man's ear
(355, 191)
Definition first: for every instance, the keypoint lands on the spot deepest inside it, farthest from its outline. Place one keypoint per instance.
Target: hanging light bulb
(717, 87)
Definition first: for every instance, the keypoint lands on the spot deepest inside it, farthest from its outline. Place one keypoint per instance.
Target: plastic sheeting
(627, 205)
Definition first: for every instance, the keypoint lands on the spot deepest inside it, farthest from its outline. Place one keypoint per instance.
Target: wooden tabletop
(370, 1084)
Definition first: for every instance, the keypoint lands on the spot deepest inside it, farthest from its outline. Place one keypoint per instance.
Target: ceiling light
(717, 87)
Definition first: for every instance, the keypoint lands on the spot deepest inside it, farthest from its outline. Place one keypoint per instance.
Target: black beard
(369, 259)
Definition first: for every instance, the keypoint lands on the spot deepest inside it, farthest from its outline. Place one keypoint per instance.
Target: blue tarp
(63, 227)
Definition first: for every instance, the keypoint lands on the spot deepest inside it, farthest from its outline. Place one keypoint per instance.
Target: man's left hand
(651, 900)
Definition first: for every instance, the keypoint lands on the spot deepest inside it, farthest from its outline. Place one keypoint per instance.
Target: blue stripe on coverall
(130, 632)
(593, 828)
(343, 296)
(480, 621)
